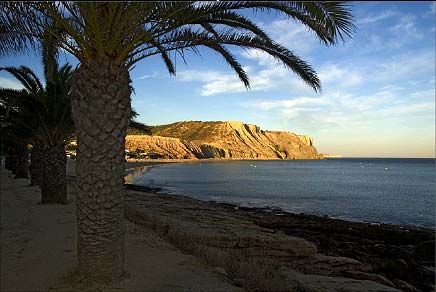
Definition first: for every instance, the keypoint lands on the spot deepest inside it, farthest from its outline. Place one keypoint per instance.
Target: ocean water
(397, 191)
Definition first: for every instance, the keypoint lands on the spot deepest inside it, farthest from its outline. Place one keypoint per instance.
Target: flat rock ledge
(196, 221)
(210, 231)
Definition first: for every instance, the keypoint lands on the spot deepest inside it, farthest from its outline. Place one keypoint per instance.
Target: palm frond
(49, 48)
(231, 60)
(128, 32)
(16, 33)
(26, 77)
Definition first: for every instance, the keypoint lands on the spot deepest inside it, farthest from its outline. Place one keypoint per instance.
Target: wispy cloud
(400, 29)
(377, 17)
(406, 27)
(339, 109)
(147, 76)
(215, 82)
(269, 76)
(9, 83)
(404, 66)
(343, 77)
(200, 75)
(289, 103)
(292, 35)
(261, 57)
(375, 72)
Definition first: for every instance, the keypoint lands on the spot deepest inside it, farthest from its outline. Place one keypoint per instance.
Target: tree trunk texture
(22, 168)
(36, 165)
(54, 171)
(101, 111)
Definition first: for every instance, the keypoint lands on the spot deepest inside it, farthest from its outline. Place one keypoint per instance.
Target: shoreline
(276, 211)
(396, 256)
(391, 255)
(135, 167)
(169, 160)
(322, 250)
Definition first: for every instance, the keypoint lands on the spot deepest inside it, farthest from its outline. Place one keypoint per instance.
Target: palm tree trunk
(9, 164)
(36, 165)
(13, 161)
(22, 168)
(101, 111)
(54, 183)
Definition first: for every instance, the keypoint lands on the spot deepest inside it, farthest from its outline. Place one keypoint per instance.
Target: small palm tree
(46, 113)
(110, 38)
(15, 138)
(48, 118)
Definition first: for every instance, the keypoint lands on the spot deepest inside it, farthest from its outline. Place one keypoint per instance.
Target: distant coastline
(330, 155)
(220, 139)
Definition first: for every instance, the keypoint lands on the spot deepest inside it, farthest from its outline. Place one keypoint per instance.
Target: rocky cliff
(226, 140)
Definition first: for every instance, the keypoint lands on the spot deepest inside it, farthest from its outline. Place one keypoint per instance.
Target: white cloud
(147, 76)
(196, 75)
(271, 77)
(292, 35)
(403, 29)
(289, 103)
(9, 83)
(344, 77)
(377, 17)
(261, 57)
(406, 27)
(223, 84)
(339, 109)
(403, 66)
(215, 82)
(340, 76)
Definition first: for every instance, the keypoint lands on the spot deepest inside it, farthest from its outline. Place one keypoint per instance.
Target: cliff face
(292, 146)
(227, 140)
(165, 146)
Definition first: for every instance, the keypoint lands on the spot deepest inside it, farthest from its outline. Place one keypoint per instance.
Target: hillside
(226, 140)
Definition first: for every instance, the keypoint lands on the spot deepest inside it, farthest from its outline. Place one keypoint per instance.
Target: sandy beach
(39, 251)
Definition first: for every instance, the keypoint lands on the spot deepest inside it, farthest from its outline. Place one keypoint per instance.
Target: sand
(39, 251)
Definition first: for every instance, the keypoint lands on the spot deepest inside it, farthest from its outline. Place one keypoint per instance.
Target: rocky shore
(308, 253)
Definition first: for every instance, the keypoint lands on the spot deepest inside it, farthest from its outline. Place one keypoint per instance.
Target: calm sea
(398, 191)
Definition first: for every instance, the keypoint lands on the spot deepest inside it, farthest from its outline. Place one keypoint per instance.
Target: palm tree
(49, 126)
(14, 137)
(17, 120)
(109, 39)
(49, 120)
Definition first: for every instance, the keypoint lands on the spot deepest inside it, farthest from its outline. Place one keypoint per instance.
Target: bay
(379, 190)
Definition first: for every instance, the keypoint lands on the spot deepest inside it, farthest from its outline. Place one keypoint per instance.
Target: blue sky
(378, 97)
